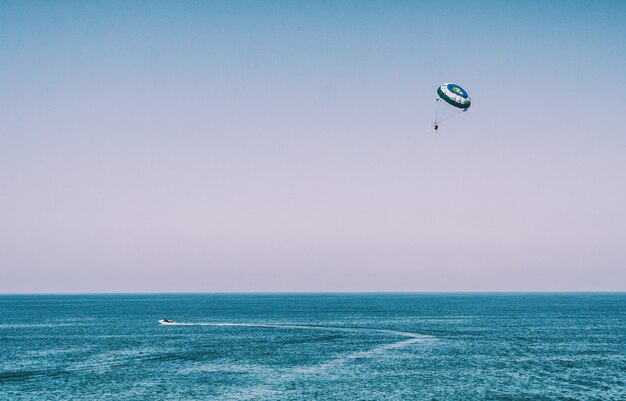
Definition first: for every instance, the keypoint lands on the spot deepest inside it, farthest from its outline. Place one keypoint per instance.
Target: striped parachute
(451, 100)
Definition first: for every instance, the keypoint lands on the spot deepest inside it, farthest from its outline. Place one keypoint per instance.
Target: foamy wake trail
(414, 336)
(411, 337)
(280, 379)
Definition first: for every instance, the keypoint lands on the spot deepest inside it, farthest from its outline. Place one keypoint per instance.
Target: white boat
(165, 321)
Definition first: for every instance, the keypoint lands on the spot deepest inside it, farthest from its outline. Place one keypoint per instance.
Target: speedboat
(165, 321)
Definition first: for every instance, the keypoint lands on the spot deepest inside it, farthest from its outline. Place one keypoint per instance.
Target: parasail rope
(206, 298)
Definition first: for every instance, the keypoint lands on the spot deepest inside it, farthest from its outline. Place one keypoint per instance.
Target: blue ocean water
(313, 347)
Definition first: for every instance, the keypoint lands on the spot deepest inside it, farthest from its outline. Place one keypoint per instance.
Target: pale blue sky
(286, 146)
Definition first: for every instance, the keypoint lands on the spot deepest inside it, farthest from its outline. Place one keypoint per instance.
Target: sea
(409, 346)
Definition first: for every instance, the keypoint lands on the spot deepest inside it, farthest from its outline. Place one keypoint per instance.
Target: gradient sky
(286, 146)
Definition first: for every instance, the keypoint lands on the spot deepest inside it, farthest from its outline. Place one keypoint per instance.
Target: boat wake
(334, 365)
(415, 336)
(409, 337)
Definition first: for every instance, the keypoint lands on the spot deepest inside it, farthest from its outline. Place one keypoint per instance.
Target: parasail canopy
(454, 95)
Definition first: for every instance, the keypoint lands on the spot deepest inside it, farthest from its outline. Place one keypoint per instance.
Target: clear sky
(286, 146)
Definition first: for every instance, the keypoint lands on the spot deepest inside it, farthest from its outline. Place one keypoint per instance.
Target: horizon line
(317, 292)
